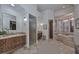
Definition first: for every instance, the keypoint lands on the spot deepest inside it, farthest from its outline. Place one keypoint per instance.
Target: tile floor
(47, 47)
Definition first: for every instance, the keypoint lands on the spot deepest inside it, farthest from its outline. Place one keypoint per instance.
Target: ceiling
(16, 8)
(42, 7)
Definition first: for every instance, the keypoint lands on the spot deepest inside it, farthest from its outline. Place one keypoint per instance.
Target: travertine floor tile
(47, 47)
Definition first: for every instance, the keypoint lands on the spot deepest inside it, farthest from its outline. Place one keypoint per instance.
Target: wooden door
(51, 29)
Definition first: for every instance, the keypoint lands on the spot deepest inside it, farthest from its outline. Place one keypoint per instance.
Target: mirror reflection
(7, 23)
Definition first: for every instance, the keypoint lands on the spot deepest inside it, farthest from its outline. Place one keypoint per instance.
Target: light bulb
(41, 24)
(25, 19)
(72, 19)
(63, 7)
(65, 20)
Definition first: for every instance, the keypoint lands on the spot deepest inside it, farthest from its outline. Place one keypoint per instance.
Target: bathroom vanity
(66, 38)
(11, 42)
(10, 24)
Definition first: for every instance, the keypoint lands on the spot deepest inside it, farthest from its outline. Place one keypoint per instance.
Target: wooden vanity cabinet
(2, 46)
(9, 44)
(12, 43)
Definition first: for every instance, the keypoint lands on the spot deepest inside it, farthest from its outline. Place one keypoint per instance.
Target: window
(12, 25)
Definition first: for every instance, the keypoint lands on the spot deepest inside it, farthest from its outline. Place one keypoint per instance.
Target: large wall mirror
(65, 24)
(7, 22)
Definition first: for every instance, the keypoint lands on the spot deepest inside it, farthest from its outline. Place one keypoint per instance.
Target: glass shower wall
(32, 29)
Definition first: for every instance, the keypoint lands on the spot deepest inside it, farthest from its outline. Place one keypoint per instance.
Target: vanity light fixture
(41, 24)
(25, 19)
(65, 20)
(12, 5)
(72, 19)
(63, 7)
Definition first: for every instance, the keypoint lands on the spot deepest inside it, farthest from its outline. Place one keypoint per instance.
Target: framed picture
(77, 23)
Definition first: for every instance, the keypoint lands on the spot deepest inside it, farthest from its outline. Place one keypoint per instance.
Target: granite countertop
(11, 35)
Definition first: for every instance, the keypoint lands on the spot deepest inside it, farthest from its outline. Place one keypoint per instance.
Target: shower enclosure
(32, 29)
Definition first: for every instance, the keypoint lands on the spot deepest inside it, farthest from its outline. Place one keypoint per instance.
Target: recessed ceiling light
(63, 7)
(13, 5)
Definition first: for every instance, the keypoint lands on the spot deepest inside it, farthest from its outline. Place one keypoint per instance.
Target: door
(51, 29)
(71, 26)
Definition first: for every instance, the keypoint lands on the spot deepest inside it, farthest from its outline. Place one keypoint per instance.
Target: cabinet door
(8, 44)
(12, 43)
(15, 42)
(24, 40)
(2, 46)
